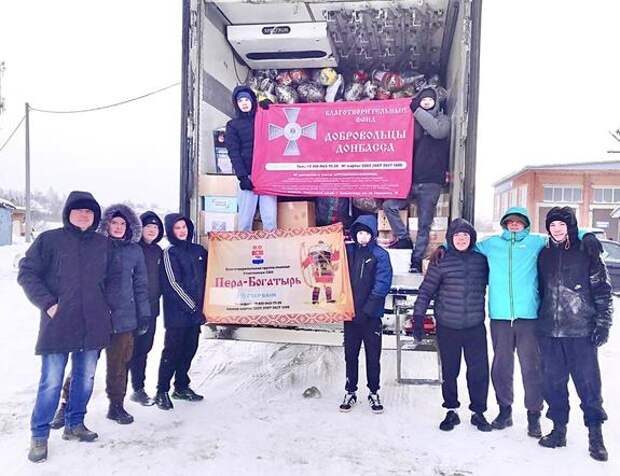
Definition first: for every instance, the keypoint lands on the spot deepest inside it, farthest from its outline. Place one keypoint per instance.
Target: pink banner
(343, 149)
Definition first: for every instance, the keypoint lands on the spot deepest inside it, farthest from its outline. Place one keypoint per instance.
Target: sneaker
(480, 422)
(375, 403)
(504, 419)
(416, 266)
(450, 421)
(533, 424)
(402, 244)
(141, 397)
(79, 433)
(59, 418)
(38, 450)
(186, 394)
(163, 402)
(350, 399)
(555, 439)
(117, 413)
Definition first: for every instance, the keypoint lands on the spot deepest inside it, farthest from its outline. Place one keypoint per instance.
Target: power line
(107, 106)
(12, 133)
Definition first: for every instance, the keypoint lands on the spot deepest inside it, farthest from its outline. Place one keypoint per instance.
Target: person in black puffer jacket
(128, 295)
(458, 285)
(574, 318)
(239, 141)
(152, 233)
(182, 275)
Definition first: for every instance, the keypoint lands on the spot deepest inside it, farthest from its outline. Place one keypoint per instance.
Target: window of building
(523, 196)
(606, 195)
(562, 194)
(513, 197)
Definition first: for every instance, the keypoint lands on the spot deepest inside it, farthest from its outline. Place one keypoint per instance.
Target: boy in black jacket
(458, 283)
(152, 233)
(371, 279)
(240, 145)
(574, 318)
(183, 273)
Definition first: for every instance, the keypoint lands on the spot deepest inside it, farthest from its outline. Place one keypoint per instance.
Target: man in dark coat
(458, 285)
(370, 271)
(430, 167)
(152, 233)
(127, 293)
(574, 319)
(64, 274)
(240, 144)
(183, 274)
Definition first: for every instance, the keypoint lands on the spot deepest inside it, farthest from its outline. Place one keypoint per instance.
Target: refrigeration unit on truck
(223, 42)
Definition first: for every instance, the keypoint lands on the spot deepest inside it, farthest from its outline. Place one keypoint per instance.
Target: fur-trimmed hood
(134, 225)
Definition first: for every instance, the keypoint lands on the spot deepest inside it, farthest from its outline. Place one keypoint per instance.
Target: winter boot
(350, 399)
(555, 439)
(117, 413)
(533, 424)
(59, 418)
(375, 403)
(597, 446)
(416, 266)
(480, 422)
(163, 402)
(38, 450)
(450, 421)
(504, 419)
(79, 433)
(141, 397)
(403, 244)
(186, 394)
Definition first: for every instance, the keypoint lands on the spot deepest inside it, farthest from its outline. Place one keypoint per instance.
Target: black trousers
(472, 343)
(142, 345)
(180, 345)
(368, 331)
(576, 357)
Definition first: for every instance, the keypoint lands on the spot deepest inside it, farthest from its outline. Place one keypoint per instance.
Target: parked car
(611, 254)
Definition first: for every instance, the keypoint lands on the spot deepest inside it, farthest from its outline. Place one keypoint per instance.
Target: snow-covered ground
(254, 419)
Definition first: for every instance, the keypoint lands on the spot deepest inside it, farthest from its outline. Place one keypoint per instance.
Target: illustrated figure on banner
(319, 265)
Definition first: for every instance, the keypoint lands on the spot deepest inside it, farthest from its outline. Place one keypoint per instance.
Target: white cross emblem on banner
(292, 131)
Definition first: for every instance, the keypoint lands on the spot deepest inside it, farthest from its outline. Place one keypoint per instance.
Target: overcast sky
(549, 91)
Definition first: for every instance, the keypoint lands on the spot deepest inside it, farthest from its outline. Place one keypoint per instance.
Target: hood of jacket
(133, 234)
(566, 215)
(365, 221)
(236, 91)
(78, 199)
(460, 225)
(431, 91)
(150, 215)
(170, 220)
(507, 235)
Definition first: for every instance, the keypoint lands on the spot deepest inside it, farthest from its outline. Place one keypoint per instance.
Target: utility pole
(2, 68)
(28, 210)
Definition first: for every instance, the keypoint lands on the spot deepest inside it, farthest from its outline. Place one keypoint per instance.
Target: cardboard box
(218, 185)
(384, 225)
(219, 204)
(296, 215)
(218, 221)
(204, 241)
(439, 223)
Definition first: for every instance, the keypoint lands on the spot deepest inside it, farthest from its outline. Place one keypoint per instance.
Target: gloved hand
(143, 327)
(418, 328)
(600, 335)
(437, 255)
(372, 308)
(264, 104)
(415, 104)
(591, 245)
(246, 184)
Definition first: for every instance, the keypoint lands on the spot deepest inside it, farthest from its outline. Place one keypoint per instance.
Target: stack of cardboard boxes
(219, 203)
(291, 215)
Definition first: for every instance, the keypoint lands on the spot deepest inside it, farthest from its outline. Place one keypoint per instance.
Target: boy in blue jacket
(371, 279)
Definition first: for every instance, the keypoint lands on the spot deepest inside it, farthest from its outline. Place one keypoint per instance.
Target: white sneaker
(350, 399)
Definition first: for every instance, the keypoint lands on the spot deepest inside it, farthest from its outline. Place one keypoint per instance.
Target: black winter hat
(565, 215)
(118, 214)
(84, 204)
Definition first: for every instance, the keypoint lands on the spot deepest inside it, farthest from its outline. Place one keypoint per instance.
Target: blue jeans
(52, 374)
(426, 196)
(268, 205)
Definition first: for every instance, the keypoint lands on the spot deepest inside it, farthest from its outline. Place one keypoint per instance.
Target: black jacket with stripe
(183, 272)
